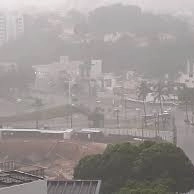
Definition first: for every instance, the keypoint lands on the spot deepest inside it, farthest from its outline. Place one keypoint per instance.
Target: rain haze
(96, 96)
(157, 5)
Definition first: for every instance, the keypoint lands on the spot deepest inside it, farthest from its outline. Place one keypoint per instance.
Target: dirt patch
(57, 157)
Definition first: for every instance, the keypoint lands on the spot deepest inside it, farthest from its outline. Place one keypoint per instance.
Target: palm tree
(160, 91)
(186, 97)
(143, 91)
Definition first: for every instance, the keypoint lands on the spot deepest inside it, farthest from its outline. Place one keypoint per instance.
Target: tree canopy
(128, 18)
(157, 187)
(148, 165)
(143, 51)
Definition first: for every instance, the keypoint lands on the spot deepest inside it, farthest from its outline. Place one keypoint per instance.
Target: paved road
(185, 135)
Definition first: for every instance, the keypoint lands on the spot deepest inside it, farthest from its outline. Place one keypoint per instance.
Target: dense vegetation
(42, 44)
(149, 167)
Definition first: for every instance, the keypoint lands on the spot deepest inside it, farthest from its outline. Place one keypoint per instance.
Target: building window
(187, 80)
(108, 83)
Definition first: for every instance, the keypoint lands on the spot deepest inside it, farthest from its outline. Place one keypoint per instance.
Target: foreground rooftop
(74, 187)
(13, 178)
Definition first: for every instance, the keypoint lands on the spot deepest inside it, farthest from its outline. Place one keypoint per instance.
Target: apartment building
(3, 29)
(11, 26)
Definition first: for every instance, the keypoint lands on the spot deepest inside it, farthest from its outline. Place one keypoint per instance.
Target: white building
(96, 69)
(109, 81)
(188, 77)
(48, 75)
(11, 27)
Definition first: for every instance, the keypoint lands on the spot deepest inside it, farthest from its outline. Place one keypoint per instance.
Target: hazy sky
(83, 4)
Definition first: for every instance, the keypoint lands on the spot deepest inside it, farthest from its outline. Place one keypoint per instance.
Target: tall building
(3, 29)
(11, 27)
(187, 78)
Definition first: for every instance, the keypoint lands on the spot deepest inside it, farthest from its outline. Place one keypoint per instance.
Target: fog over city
(96, 96)
(85, 5)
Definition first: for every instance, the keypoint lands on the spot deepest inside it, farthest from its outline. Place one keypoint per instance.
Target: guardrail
(145, 133)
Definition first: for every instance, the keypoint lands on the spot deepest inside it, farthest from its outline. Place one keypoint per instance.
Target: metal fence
(146, 133)
(7, 166)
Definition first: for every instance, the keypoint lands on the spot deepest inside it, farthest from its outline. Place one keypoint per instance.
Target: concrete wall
(96, 69)
(36, 187)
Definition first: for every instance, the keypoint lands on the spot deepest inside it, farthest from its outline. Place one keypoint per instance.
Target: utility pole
(37, 123)
(67, 120)
(38, 103)
(117, 115)
(69, 92)
(71, 120)
(125, 107)
(142, 128)
(157, 125)
(174, 131)
(71, 116)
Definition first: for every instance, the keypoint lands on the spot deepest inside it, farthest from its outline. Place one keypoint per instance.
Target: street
(185, 134)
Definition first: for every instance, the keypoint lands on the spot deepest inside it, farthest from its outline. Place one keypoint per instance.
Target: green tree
(160, 91)
(156, 187)
(149, 161)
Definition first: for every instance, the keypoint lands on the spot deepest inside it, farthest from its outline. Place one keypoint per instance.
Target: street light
(140, 121)
(117, 115)
(125, 105)
(70, 82)
(138, 116)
